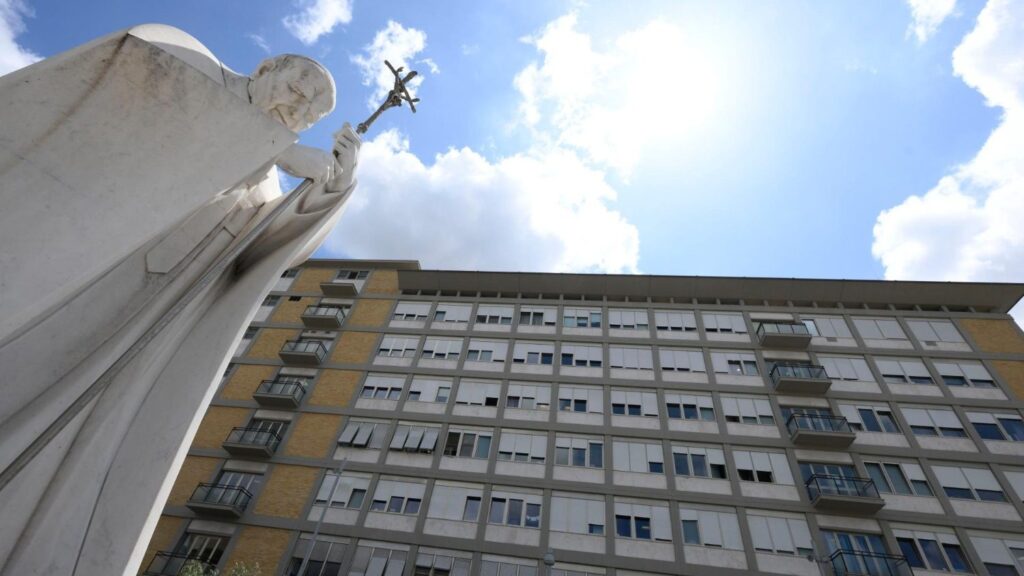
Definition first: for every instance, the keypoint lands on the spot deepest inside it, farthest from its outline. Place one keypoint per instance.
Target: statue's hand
(346, 154)
(306, 162)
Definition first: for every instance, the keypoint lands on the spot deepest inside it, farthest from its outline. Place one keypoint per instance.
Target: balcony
(219, 500)
(256, 442)
(303, 352)
(173, 563)
(819, 431)
(280, 393)
(852, 563)
(844, 494)
(339, 288)
(800, 379)
(788, 335)
(323, 317)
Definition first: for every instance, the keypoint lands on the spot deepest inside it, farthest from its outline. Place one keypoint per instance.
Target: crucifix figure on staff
(395, 97)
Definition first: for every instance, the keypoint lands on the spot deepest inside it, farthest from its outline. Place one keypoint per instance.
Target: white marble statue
(131, 168)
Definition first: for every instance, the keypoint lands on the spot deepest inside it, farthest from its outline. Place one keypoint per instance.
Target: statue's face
(293, 90)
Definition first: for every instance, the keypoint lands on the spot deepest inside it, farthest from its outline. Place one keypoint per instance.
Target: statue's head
(295, 90)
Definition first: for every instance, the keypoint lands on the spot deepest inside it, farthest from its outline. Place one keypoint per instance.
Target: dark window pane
(497, 513)
(532, 516)
(1014, 428)
(957, 558)
(643, 528)
(898, 480)
(991, 496)
(909, 551)
(674, 411)
(623, 526)
(691, 532)
(876, 474)
(472, 509)
(579, 457)
(515, 512)
(989, 431)
(933, 554)
(682, 464)
(596, 455)
(700, 465)
(962, 493)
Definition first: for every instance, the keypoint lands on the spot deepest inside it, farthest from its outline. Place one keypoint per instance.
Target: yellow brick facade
(269, 342)
(167, 529)
(313, 435)
(997, 336)
(244, 381)
(309, 279)
(382, 282)
(216, 425)
(354, 348)
(194, 470)
(256, 545)
(290, 312)
(1012, 374)
(335, 388)
(286, 491)
(370, 314)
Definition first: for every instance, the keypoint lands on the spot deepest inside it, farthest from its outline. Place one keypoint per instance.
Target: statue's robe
(127, 167)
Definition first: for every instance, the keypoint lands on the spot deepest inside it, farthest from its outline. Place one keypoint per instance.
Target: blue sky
(793, 138)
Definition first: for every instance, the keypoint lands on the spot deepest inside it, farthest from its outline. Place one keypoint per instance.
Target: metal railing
(172, 564)
(794, 328)
(854, 563)
(222, 494)
(800, 371)
(254, 437)
(283, 387)
(325, 311)
(314, 347)
(830, 485)
(816, 423)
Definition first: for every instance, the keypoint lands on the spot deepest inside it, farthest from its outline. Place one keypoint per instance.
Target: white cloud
(928, 15)
(316, 18)
(398, 45)
(12, 55)
(535, 210)
(259, 41)
(968, 227)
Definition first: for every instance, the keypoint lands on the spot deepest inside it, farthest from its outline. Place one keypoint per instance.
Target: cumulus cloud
(927, 16)
(535, 210)
(12, 55)
(317, 18)
(968, 227)
(398, 45)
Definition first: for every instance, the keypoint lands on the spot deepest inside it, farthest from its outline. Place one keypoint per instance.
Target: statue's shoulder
(182, 45)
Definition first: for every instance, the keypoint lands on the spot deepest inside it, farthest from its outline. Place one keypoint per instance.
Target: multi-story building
(384, 420)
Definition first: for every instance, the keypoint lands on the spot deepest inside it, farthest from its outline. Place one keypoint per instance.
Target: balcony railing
(308, 352)
(323, 316)
(281, 392)
(800, 378)
(783, 334)
(844, 493)
(852, 563)
(220, 498)
(252, 441)
(339, 288)
(819, 430)
(172, 564)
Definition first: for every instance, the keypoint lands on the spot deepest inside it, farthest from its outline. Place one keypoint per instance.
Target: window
(681, 360)
(454, 313)
(580, 399)
(352, 274)
(829, 327)
(442, 348)
(487, 351)
(969, 483)
(378, 559)
(634, 403)
(1002, 556)
(398, 497)
(898, 478)
(934, 422)
(411, 311)
(746, 410)
(514, 509)
(931, 332)
(225, 487)
(472, 510)
(432, 562)
(414, 438)
(690, 406)
(997, 426)
(468, 444)
(325, 558)
(247, 338)
(398, 346)
(291, 273)
(577, 513)
(537, 316)
(581, 317)
(349, 490)
(717, 528)
(528, 396)
(628, 319)
(581, 452)
(630, 357)
(533, 353)
(455, 501)
(870, 418)
(637, 456)
(780, 534)
(497, 315)
(723, 323)
(853, 369)
(382, 387)
(521, 446)
(931, 550)
(961, 373)
(764, 467)
(879, 329)
(642, 520)
(699, 462)
(499, 566)
(675, 321)
(739, 363)
(429, 390)
(478, 393)
(363, 434)
(903, 371)
(581, 355)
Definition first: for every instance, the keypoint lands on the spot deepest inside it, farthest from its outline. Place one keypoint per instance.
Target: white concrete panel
(709, 485)
(905, 503)
(943, 443)
(645, 549)
(580, 542)
(512, 535)
(477, 411)
(581, 372)
(698, 426)
(782, 564)
(719, 557)
(579, 474)
(532, 369)
(484, 366)
(525, 469)
(993, 510)
(763, 490)
(641, 422)
(738, 429)
(411, 459)
(386, 521)
(640, 479)
(450, 528)
(880, 439)
(738, 380)
(477, 465)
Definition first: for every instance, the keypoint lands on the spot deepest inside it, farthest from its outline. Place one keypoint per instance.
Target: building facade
(384, 420)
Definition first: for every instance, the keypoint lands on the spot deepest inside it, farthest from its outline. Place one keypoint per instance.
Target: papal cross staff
(395, 97)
